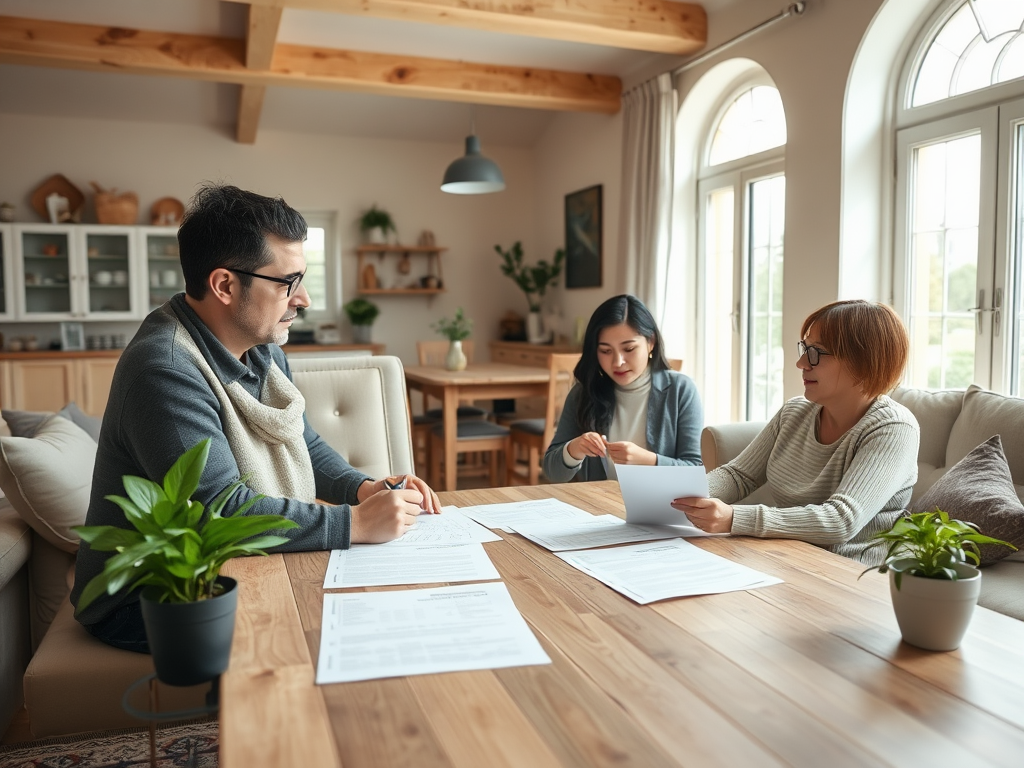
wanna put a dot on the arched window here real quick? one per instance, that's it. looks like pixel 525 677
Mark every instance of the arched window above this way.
pixel 960 179
pixel 741 194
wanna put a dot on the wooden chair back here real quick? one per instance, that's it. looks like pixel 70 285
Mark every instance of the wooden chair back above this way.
pixel 675 363
pixel 559 385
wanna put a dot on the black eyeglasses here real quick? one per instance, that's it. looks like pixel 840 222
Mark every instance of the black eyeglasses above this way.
pixel 813 353
pixel 291 282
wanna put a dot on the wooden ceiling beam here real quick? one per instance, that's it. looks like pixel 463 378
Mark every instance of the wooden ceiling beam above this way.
pixel 112 49
pixel 645 25
pixel 264 23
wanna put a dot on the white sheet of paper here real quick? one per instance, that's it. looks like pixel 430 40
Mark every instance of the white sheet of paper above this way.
pixel 648 493
pixel 648 572
pixel 450 527
pixel 369 635
pixel 598 531
pixel 506 516
pixel 373 565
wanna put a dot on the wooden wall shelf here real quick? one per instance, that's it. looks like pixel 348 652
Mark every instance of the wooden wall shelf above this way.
pixel 400 273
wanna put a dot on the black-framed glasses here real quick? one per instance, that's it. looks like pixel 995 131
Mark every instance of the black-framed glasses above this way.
pixel 291 282
pixel 813 353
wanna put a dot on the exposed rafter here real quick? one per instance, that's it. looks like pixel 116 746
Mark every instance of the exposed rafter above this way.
pixel 264 22
pixel 644 25
pixel 112 49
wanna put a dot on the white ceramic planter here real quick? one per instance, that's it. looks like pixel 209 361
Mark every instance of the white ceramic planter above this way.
pixel 362 334
pixel 455 360
pixel 934 613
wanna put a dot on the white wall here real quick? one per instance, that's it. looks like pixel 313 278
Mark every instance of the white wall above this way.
pixel 312 172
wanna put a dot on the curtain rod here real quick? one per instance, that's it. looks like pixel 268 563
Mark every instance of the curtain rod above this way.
pixel 796 9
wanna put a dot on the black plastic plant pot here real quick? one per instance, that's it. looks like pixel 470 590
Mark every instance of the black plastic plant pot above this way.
pixel 191 642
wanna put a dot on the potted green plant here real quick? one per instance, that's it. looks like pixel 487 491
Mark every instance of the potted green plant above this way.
pixel 455 330
pixel 375 225
pixel 175 553
pixel 534 281
pixel 361 313
pixel 933 578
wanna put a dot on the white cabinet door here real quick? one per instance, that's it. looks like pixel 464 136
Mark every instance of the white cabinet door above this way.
pixel 6 272
pixel 107 260
pixel 46 284
pixel 159 249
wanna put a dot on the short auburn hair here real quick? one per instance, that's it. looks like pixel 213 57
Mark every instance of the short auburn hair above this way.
pixel 868 338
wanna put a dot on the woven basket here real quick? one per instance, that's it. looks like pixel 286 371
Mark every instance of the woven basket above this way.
pixel 112 208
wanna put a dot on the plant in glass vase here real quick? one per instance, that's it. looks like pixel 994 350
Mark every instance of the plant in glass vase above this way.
pixel 933 581
pixel 533 280
pixel 176 552
pixel 455 330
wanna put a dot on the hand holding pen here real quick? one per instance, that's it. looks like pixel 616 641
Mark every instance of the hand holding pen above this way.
pixel 430 504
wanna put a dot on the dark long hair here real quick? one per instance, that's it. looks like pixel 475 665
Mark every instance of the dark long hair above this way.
pixel 596 406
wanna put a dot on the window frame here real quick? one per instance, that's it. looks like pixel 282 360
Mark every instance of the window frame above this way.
pixel 328 221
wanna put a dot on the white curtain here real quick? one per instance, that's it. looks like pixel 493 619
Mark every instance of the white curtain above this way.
pixel 649 113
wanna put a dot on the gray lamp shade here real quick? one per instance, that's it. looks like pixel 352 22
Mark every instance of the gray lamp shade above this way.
pixel 473 174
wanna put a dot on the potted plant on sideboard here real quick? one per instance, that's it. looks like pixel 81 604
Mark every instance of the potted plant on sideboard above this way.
pixel 361 313
pixel 175 553
pixel 375 225
pixel 933 586
pixel 534 282
pixel 455 330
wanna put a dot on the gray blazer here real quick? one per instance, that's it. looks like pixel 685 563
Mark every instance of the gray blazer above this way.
pixel 675 418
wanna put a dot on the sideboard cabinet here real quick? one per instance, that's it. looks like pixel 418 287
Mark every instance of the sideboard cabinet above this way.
pixel 47 381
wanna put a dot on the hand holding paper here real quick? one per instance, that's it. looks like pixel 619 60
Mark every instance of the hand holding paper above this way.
pixel 648 492
pixel 710 515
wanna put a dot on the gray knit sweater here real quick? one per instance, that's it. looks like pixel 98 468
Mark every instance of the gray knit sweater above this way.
pixel 160 405
pixel 836 496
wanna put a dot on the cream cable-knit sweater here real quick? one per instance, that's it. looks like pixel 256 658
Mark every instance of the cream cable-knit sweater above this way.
pixel 265 437
pixel 836 496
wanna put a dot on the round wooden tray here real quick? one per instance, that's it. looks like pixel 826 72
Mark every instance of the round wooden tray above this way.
pixel 59 184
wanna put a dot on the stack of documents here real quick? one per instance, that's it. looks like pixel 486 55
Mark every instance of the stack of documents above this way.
pixel 507 516
pixel 593 531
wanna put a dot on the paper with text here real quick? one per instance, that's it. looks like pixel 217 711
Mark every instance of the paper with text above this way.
pixel 370 635
pixel 648 572
pixel 598 531
pixel 648 493
pixel 450 527
pixel 506 516
pixel 373 565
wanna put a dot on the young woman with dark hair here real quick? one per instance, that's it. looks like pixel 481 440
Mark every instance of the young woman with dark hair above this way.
pixel 627 406
pixel 841 461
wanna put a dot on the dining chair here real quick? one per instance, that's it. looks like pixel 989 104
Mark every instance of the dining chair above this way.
pixel 531 437
pixel 675 363
pixel 473 436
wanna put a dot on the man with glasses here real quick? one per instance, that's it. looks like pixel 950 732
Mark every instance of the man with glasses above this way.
pixel 208 364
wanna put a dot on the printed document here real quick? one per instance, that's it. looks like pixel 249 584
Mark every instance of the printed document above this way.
pixel 507 516
pixel 373 565
pixel 648 572
pixel 450 527
pixel 648 493
pixel 598 531
pixel 370 635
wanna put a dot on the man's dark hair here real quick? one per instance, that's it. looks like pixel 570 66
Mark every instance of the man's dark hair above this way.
pixel 227 227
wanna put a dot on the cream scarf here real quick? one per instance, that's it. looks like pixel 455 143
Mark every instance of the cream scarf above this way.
pixel 265 435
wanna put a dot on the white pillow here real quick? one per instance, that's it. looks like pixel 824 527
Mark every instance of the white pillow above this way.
pixel 48 479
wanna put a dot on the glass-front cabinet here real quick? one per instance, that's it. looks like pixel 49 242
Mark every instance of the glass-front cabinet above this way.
pixel 76 272
pixel 6 273
pixel 160 246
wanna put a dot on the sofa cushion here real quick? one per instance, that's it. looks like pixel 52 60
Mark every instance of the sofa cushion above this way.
pixel 15 542
pixel 1001 588
pixel 985 414
pixel 48 479
pixel 936 413
pixel 978 489
pixel 27 423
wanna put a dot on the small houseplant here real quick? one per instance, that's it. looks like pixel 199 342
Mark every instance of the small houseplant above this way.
pixel 175 553
pixel 933 578
pixel 375 225
pixel 361 313
pixel 533 280
pixel 455 330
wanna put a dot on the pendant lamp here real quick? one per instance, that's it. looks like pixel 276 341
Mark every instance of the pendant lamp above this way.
pixel 473 174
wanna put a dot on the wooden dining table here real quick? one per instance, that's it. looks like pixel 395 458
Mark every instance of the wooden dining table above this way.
pixel 479 381
pixel 810 672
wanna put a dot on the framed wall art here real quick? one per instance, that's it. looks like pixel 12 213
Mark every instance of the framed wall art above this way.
pixel 583 235
pixel 72 336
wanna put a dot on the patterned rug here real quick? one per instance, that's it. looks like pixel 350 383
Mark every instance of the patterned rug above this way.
pixel 185 745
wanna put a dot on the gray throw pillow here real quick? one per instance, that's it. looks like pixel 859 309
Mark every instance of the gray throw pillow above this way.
pixel 91 424
pixel 27 423
pixel 979 489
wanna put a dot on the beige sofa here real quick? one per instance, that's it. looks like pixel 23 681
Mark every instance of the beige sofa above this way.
pixel 953 423
pixel 70 682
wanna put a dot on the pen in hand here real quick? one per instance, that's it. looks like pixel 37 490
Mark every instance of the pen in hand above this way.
pixel 394 486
